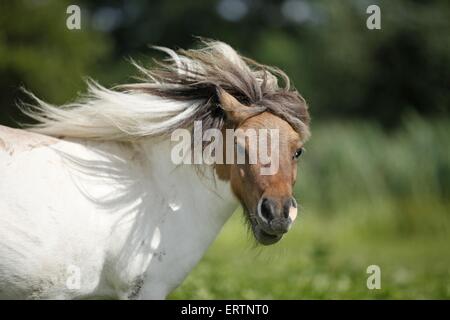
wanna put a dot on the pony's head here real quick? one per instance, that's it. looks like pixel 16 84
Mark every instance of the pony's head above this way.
pixel 267 198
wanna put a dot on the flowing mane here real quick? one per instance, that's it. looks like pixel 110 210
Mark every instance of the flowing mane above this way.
pixel 178 91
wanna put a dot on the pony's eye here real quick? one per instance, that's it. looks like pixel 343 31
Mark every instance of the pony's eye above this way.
pixel 298 153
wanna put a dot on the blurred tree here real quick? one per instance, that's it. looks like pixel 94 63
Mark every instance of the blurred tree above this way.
pixel 384 74
pixel 38 52
pixel 343 69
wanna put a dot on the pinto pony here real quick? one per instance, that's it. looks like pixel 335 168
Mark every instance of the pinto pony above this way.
pixel 91 205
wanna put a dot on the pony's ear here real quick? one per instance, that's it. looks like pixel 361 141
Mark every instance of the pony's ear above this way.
pixel 236 112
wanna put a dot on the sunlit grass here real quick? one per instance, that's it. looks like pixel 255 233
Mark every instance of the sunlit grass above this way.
pixel 320 258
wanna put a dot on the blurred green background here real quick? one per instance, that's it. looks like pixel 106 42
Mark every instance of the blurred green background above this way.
pixel 374 183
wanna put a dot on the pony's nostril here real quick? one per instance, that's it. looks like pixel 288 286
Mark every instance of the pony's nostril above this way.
pixel 266 209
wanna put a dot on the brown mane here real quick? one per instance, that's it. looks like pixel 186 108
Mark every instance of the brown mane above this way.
pixel 196 74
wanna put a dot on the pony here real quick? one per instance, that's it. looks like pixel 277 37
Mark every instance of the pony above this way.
pixel 91 205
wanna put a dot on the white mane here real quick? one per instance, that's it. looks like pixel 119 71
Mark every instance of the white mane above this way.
pixel 107 114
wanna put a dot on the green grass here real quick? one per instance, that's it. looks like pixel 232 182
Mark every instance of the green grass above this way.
pixel 368 198
pixel 320 259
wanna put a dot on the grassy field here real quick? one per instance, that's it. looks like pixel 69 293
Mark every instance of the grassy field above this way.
pixel 369 198
pixel 320 259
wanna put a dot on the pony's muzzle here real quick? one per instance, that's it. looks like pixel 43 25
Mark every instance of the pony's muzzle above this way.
pixel 275 216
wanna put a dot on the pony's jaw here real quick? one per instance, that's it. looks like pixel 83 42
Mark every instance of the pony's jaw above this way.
pixel 263 237
pixel 260 235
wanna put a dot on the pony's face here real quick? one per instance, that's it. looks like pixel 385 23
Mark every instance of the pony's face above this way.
pixel 267 197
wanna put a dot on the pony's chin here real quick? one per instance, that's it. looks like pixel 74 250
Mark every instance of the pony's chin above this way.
pixel 265 238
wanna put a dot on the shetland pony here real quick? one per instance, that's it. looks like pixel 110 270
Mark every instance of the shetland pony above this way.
pixel 91 204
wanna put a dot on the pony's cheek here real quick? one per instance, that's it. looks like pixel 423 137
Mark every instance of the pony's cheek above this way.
pixel 293 213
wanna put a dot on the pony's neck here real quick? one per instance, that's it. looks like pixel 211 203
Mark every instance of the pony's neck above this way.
pixel 203 187
pixel 214 180
pixel 181 211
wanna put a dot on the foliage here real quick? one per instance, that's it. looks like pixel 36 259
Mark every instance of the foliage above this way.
pixel 39 53
pixel 342 68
